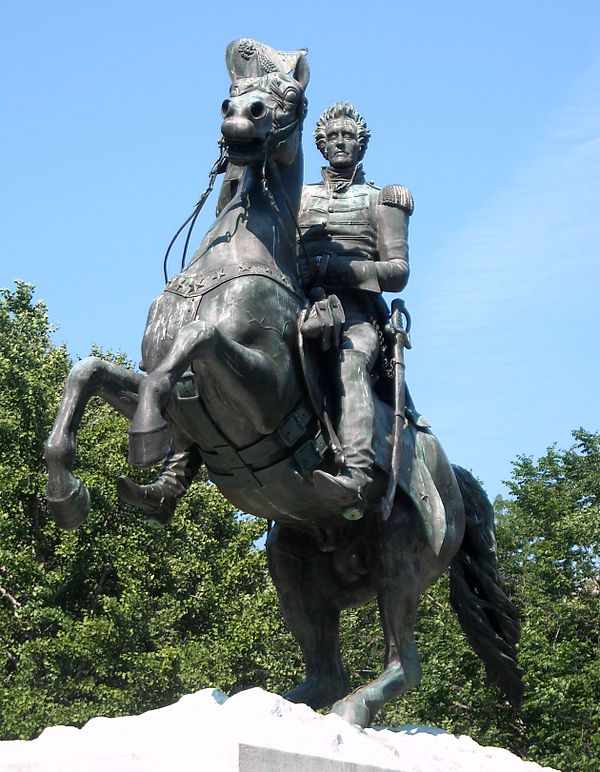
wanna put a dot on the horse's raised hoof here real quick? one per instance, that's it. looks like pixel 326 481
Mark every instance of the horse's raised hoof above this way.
pixel 146 448
pixel 72 510
pixel 354 710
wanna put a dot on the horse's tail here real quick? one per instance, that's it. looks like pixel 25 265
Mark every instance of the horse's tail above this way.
pixel 488 618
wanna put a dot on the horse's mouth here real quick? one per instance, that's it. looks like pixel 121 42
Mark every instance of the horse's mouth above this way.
pixel 245 149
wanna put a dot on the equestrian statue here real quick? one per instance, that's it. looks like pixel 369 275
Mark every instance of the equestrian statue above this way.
pixel 272 359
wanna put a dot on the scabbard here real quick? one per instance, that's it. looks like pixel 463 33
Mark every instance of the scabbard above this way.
pixel 401 341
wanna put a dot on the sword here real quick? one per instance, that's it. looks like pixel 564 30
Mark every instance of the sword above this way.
pixel 399 326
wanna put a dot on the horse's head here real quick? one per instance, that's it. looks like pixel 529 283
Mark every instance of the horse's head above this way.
pixel 266 106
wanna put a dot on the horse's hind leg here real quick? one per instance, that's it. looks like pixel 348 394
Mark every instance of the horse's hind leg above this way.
pixel 307 591
pixel 398 597
pixel 67 496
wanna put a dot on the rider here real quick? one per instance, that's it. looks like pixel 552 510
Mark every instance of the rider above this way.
pixel 355 237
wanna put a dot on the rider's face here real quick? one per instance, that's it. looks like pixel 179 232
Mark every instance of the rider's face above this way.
pixel 341 143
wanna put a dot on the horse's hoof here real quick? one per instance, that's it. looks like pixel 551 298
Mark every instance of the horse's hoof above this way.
pixel 71 511
pixel 353 710
pixel 146 448
pixel 318 694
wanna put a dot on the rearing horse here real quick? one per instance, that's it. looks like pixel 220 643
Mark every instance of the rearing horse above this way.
pixel 225 374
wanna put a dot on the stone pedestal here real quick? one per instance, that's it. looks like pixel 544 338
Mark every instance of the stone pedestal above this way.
pixel 254 731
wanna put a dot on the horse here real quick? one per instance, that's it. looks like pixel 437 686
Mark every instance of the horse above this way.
pixel 226 372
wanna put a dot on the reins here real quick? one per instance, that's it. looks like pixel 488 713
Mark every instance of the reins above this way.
pixel 218 167
pixel 274 139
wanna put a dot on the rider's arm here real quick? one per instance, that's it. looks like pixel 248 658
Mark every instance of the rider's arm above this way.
pixel 394 207
pixel 389 274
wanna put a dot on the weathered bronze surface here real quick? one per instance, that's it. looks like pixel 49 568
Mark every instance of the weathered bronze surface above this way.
pixel 266 359
pixel 355 242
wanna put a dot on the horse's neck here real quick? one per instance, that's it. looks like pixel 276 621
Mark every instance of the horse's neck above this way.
pixel 249 228
pixel 290 190
pixel 284 184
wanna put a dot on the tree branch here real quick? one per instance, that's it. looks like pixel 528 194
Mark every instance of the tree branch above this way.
pixel 13 601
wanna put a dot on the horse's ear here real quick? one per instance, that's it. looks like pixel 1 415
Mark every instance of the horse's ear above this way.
pixel 302 71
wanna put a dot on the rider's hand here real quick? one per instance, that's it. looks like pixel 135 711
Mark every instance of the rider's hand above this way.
pixel 325 320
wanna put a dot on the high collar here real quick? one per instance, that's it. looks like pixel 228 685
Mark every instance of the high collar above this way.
pixel 339 180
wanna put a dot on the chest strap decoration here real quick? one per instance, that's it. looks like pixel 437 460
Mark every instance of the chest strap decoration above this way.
pixel 188 286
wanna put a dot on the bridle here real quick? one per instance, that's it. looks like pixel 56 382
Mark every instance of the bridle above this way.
pixel 274 139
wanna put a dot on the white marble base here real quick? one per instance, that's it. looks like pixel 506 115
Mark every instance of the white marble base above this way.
pixel 253 731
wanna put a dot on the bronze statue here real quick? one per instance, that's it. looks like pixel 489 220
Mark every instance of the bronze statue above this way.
pixel 231 380
pixel 353 242
pixel 354 237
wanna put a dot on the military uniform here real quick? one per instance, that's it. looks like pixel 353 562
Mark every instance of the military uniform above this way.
pixel 355 236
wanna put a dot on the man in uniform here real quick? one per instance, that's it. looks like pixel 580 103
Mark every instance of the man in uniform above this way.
pixel 354 241
pixel 355 238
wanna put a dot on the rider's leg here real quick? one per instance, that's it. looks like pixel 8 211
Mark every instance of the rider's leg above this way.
pixel 310 600
pixel 159 499
pixel 356 419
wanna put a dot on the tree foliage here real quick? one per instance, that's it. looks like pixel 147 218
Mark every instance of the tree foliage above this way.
pixel 119 617
pixel 550 542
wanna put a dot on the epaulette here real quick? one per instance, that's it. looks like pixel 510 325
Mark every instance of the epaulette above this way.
pixel 398 196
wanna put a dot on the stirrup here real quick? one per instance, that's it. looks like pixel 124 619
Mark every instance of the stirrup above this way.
pixel 344 489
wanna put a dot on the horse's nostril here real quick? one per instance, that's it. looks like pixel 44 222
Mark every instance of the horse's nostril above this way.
pixel 226 107
pixel 257 109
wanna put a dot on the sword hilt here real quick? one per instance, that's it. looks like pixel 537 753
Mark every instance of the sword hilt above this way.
pixel 400 322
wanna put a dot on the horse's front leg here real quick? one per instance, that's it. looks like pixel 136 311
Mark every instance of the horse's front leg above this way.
pixel 241 374
pixel 67 496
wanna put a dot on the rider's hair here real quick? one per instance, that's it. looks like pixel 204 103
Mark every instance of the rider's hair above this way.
pixel 342 110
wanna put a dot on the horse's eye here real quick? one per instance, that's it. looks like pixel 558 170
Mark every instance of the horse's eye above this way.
pixel 291 96
pixel 225 107
pixel 257 109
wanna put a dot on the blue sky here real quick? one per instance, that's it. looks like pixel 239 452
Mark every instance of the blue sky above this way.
pixel 488 111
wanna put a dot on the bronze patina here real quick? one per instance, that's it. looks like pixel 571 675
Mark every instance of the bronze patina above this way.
pixel 258 354
pixel 355 237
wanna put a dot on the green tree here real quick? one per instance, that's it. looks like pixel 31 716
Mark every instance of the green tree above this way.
pixel 117 617
pixel 549 535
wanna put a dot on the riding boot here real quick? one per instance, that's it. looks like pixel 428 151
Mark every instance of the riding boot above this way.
pixel 159 499
pixel 348 488
pixel 355 431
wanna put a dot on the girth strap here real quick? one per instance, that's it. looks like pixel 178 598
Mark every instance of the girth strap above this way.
pixel 298 444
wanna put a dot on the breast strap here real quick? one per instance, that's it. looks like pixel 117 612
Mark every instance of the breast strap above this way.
pixel 198 285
